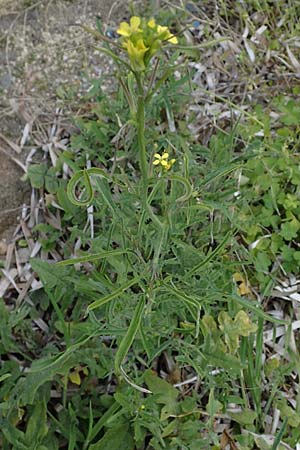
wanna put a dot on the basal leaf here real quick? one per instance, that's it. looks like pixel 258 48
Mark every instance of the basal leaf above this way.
pixel 244 417
pixel 164 393
pixel 37 427
pixel 36 174
pixel 223 360
pixel 130 334
pixel 49 274
pixel 116 438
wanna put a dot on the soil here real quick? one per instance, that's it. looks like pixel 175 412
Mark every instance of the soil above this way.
pixel 46 60
pixel 13 194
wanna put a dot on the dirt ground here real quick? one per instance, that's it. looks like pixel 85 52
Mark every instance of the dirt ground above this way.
pixel 44 57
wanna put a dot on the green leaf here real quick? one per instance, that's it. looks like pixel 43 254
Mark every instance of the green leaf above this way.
pixel 64 202
pixel 262 262
pixel 50 274
pixel 36 174
pixel 116 438
pixel 164 393
pixel 220 359
pixel 219 173
pixel 37 427
pixel 289 230
pixel 289 413
pixel 6 342
pixel 116 293
pixel 51 180
pixel 27 387
pixel 5 376
pixel 130 335
pixel 244 417
pixel 211 255
pixel 213 406
pixel 91 257
pixel 14 436
pixel 190 301
pixel 291 113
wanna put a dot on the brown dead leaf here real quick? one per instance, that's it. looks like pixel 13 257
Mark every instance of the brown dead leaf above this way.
pixel 226 440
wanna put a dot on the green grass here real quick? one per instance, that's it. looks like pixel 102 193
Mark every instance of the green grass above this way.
pixel 160 319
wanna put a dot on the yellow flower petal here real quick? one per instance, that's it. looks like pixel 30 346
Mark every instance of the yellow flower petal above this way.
pixel 164 163
pixel 172 161
pixel 135 23
pixel 124 29
pixel 136 54
pixel 161 29
pixel 156 162
pixel 165 155
pixel 157 155
pixel 151 23
pixel 141 46
pixel 165 34
pixel 127 30
pixel 173 39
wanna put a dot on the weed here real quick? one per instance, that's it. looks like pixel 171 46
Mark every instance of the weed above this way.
pixel 152 337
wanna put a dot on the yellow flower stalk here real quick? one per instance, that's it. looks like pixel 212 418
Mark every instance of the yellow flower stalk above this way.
pixel 127 30
pixel 143 40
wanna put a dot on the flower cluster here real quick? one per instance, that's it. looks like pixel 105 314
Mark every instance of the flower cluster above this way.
pixel 142 40
pixel 163 161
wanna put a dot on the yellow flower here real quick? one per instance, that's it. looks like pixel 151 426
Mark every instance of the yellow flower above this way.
pixel 127 30
pixel 136 53
pixel 161 29
pixel 151 23
pixel 170 164
pixel 143 40
pixel 163 160
pixel 165 34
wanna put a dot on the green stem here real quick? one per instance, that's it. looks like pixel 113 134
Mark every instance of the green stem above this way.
pixel 141 135
pixel 140 119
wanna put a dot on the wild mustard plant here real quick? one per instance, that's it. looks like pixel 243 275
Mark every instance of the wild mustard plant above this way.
pixel 141 40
